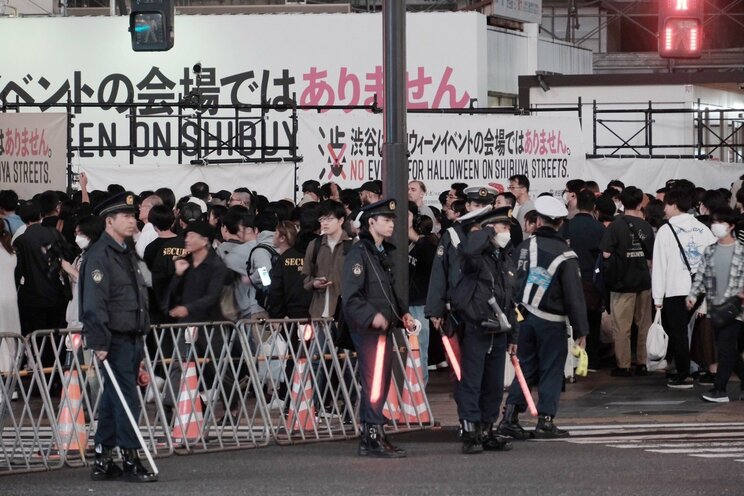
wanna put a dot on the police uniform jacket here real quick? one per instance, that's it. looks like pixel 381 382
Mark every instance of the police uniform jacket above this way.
pixel 486 271
pixel 368 285
pixel 445 272
pixel 113 294
pixel 549 280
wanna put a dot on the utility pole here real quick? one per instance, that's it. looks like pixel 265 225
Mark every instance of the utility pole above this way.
pixel 394 147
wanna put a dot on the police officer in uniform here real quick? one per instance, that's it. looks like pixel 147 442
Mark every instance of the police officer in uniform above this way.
pixel 483 299
pixel 372 310
pixel 551 296
pixel 445 270
pixel 114 313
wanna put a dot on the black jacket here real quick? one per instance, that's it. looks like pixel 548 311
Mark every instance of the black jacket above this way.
pixel 38 274
pixel 368 286
pixel 445 273
pixel 198 289
pixel 560 295
pixel 287 294
pixel 486 271
pixel 113 295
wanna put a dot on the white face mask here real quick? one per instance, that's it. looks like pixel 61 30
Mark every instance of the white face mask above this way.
pixel 502 239
pixel 719 230
pixel 565 198
pixel 82 241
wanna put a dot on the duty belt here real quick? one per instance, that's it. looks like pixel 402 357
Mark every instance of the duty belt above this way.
pixel 545 315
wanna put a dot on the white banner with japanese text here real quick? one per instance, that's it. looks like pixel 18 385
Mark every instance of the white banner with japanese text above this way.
pixel 33 152
pixel 280 60
pixel 444 149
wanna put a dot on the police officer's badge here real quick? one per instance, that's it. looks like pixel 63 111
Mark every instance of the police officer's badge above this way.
pixel 440 251
pixel 130 200
pixel 391 205
pixel 483 192
pixel 357 270
pixel 97 276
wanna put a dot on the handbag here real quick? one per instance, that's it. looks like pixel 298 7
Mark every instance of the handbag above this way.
pixel 228 303
pixel 657 340
pixel 725 313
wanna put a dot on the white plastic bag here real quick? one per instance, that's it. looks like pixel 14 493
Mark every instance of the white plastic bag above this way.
pixel 657 340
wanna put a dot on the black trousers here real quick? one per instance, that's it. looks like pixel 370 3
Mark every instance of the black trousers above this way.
pixel 729 358
pixel 373 393
pixel 124 356
pixel 675 318
pixel 481 388
pixel 542 347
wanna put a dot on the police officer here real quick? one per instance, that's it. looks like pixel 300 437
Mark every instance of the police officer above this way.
pixel 372 310
pixel 114 313
pixel 483 299
pixel 551 295
pixel 445 270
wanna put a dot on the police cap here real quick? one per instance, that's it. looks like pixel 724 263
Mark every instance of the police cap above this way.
pixel 372 186
pixel 481 194
pixel 122 202
pixel 550 207
pixel 382 207
pixel 501 215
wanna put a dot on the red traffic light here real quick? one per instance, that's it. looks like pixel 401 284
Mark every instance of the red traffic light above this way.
pixel 680 28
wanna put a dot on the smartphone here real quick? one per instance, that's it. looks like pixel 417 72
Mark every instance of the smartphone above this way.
pixel 264 275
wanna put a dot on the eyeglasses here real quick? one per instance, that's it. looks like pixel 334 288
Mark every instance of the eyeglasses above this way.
pixel 327 219
pixel 512 188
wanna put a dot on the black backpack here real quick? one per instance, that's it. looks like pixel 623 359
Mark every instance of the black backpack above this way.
pixel 262 292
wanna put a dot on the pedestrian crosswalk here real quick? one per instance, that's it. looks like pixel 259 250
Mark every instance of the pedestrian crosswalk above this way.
pixel 719 440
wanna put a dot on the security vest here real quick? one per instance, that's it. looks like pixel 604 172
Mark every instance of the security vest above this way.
pixel 540 257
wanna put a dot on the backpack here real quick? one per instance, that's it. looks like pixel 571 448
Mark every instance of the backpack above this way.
pixel 262 292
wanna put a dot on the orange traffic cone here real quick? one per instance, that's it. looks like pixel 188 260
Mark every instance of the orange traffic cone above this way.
pixel 413 401
pixel 301 415
pixel 391 409
pixel 190 421
pixel 73 434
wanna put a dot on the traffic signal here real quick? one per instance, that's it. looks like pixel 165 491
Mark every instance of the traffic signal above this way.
pixel 680 28
pixel 151 25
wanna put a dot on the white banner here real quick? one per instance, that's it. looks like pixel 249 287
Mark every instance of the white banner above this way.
pixel 652 174
pixel 33 152
pixel 318 59
pixel 445 148
pixel 274 181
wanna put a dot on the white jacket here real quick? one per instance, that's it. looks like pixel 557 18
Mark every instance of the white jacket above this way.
pixel 669 276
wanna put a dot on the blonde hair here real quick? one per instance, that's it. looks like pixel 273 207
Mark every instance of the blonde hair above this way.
pixel 288 230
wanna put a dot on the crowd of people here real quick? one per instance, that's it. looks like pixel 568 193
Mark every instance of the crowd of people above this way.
pixel 217 255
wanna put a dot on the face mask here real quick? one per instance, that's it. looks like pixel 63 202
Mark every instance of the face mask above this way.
pixel 82 241
pixel 502 239
pixel 565 198
pixel 619 206
pixel 720 230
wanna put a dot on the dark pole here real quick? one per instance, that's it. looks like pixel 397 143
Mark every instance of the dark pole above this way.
pixel 394 148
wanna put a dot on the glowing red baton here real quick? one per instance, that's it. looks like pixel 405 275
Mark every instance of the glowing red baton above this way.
pixel 523 384
pixel 451 355
pixel 377 376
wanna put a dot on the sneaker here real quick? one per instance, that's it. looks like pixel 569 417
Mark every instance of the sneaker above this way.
pixel 706 378
pixel 680 383
pixel 621 372
pixel 715 396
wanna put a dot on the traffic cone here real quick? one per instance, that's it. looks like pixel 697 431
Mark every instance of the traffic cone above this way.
pixel 73 434
pixel 391 409
pixel 301 415
pixel 189 408
pixel 413 401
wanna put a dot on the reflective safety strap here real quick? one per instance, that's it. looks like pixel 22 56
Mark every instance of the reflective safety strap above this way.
pixel 533 263
pixel 453 236
pixel 545 315
pixel 552 269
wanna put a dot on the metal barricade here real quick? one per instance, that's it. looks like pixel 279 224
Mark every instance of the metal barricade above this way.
pixel 309 397
pixel 70 380
pixel 26 436
pixel 209 383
